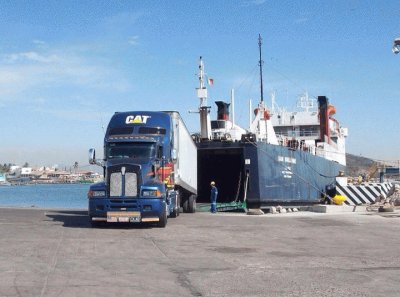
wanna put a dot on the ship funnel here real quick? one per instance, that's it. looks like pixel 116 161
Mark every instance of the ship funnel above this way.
pixel 223 110
pixel 323 104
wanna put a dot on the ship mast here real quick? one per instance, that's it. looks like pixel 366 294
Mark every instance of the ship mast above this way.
pixel 260 63
pixel 204 110
pixel 203 93
pixel 261 126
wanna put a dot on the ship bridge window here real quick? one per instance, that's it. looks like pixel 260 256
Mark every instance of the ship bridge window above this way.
pixel 122 150
pixel 218 124
pixel 152 130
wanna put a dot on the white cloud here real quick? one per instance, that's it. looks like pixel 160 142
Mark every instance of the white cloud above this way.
pixel 301 20
pixel 29 57
pixel 25 72
pixel 133 40
pixel 39 43
pixel 47 155
pixel 253 2
pixel 123 19
pixel 77 115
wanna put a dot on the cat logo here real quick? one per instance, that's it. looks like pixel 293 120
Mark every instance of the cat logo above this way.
pixel 138 119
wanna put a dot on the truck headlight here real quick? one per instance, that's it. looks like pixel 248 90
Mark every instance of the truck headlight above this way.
pixel 96 194
pixel 151 193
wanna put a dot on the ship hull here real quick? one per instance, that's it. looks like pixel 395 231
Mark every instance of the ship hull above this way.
pixel 263 174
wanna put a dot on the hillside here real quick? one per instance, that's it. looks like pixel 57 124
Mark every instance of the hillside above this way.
pixel 357 165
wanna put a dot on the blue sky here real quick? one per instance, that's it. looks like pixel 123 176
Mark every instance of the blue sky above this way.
pixel 67 66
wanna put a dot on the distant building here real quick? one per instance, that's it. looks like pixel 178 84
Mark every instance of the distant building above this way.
pixel 14 172
pixel 3 178
pixel 26 171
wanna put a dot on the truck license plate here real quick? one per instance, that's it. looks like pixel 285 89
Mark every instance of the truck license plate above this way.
pixel 123 216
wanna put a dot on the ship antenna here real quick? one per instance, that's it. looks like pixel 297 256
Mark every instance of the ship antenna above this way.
pixel 260 63
pixel 203 97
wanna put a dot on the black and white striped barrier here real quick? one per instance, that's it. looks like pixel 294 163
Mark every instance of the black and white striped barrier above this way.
pixel 366 193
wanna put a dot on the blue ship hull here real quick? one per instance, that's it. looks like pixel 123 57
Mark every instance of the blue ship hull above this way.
pixel 265 174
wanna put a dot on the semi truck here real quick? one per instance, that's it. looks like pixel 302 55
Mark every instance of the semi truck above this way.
pixel 150 170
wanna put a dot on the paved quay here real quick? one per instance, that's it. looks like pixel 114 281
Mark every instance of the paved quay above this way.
pixel 57 253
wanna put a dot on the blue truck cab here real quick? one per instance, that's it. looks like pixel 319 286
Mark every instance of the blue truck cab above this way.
pixel 138 166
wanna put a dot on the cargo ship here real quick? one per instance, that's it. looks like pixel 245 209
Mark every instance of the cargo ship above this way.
pixel 283 158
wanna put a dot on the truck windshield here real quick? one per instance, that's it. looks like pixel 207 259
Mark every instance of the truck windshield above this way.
pixel 120 150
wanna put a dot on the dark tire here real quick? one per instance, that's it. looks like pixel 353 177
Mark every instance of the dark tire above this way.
pixel 186 205
pixel 163 220
pixel 385 209
pixel 175 212
pixel 192 203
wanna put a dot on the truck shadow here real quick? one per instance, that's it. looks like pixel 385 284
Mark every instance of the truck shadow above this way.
pixel 80 219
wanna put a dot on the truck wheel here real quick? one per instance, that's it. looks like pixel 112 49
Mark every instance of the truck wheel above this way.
pixel 95 224
pixel 163 220
pixel 175 212
pixel 192 203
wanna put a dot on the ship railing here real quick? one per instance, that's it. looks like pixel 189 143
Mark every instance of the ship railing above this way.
pixel 294 144
pixel 298 134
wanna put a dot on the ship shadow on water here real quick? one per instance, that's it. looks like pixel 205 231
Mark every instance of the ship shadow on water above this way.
pixel 80 219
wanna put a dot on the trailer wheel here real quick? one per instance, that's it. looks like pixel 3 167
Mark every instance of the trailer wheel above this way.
pixel 163 220
pixel 192 203
pixel 186 205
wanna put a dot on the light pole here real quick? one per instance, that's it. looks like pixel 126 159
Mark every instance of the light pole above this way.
pixel 396 46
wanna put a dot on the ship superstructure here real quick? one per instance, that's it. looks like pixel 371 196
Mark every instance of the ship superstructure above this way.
pixel 311 127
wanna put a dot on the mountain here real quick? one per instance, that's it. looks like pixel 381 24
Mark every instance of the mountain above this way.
pixel 358 165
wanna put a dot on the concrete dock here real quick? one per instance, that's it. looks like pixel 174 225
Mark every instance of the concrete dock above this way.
pixel 57 253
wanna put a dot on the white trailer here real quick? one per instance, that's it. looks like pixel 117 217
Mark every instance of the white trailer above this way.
pixel 184 154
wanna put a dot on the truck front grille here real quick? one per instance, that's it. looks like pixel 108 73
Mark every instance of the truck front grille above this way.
pixel 116 184
pixel 123 182
pixel 131 184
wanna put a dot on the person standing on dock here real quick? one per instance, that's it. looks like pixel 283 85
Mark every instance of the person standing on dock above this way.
pixel 214 194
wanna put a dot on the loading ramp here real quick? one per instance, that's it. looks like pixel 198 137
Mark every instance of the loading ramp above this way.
pixel 234 206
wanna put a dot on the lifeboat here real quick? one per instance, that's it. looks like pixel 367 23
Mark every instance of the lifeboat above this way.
pixel 331 110
pixel 266 116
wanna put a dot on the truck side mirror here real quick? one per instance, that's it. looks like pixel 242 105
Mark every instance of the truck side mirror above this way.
pixel 92 156
pixel 173 154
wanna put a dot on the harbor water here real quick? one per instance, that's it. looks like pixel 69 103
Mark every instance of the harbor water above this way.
pixel 60 196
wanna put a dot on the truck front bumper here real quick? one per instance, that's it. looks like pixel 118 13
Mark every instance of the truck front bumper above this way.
pixel 126 210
